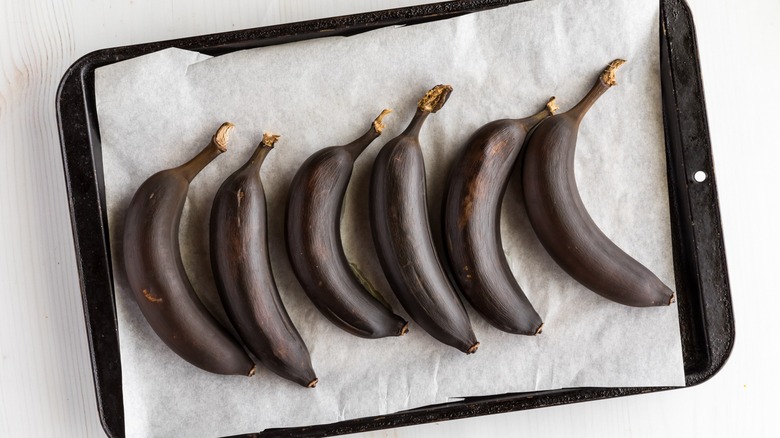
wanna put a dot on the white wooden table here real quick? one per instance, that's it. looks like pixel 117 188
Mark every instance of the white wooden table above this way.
pixel 46 385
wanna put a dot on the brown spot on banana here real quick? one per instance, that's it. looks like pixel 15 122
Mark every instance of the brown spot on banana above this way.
pixel 148 295
pixel 498 147
pixel 239 197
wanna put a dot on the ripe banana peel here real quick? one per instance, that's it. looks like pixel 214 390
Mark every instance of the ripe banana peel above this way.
pixel 156 272
pixel 402 234
pixel 563 224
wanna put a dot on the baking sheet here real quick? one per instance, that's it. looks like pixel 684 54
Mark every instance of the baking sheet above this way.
pixel 156 111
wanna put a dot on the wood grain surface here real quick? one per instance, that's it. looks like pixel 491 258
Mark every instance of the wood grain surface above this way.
pixel 46 387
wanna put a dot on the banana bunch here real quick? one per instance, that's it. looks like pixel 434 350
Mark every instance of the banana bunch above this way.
pixel 430 291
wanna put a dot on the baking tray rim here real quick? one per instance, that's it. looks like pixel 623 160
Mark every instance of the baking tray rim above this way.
pixel 78 75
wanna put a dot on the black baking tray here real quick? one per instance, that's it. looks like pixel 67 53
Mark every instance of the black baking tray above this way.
pixel 704 297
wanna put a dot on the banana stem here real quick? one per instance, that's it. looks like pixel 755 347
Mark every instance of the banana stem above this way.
pixel 605 82
pixel 216 146
pixel 378 125
pixel 220 138
pixel 359 145
pixel 434 99
pixel 262 150
pixel 551 106
pixel 549 110
pixel 415 125
pixel 269 139
pixel 608 77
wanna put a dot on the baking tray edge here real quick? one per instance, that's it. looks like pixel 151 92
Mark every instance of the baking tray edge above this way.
pixel 706 321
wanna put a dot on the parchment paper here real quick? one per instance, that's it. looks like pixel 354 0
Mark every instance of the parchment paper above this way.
pixel 157 111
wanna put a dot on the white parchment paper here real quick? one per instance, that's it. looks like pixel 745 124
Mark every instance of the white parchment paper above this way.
pixel 158 110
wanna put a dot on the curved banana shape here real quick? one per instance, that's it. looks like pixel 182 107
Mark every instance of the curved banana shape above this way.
pixel 156 273
pixel 472 218
pixel 314 242
pixel 402 234
pixel 242 271
pixel 561 221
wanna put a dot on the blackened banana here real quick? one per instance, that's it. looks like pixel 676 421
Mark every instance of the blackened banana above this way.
pixel 242 271
pixel 472 218
pixel 156 273
pixel 561 221
pixel 402 234
pixel 314 242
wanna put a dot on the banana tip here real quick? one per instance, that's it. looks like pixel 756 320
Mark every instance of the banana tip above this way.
pixel 269 140
pixel 378 125
pixel 608 77
pixel 313 383
pixel 473 348
pixel 673 298
pixel 552 107
pixel 252 371
pixel 220 138
pixel 404 329
pixel 435 98
pixel 539 330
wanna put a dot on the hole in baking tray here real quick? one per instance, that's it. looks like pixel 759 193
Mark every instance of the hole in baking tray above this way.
pixel 699 176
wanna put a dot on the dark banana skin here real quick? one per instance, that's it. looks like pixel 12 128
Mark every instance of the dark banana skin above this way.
pixel 562 223
pixel 242 271
pixel 402 234
pixel 156 273
pixel 314 242
pixel 472 219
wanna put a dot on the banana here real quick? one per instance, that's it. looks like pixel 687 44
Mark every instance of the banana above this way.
pixel 242 271
pixel 314 242
pixel 472 217
pixel 156 273
pixel 562 223
pixel 402 234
